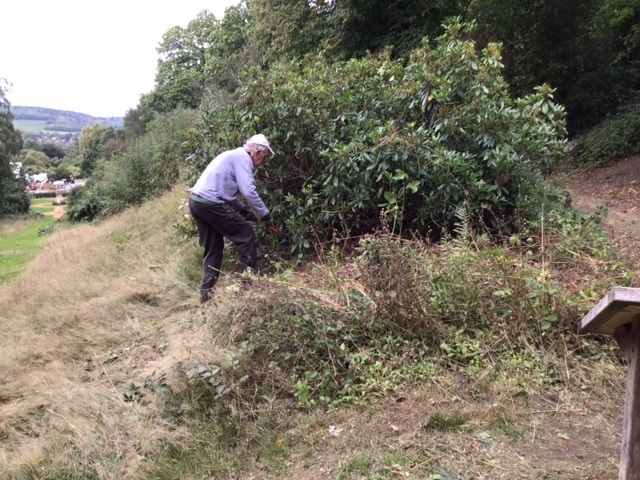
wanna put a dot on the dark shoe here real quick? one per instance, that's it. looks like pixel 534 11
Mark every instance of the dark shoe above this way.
pixel 205 296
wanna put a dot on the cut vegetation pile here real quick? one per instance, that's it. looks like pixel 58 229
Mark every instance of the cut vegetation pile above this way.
pixel 397 359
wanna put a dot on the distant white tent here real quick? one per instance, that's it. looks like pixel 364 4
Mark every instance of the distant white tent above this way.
pixel 17 169
pixel 39 178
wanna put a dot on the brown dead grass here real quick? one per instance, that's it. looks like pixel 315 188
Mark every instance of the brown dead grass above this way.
pixel 78 326
pixel 560 436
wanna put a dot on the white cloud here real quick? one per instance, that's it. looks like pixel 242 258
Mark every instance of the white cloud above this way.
pixel 89 57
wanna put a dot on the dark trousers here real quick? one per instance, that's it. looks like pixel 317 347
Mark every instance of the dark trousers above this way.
pixel 214 223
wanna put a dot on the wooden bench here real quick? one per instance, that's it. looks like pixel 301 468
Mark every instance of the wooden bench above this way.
pixel 618 314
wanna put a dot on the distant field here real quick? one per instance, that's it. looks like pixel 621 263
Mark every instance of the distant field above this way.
pixel 36 120
pixel 29 125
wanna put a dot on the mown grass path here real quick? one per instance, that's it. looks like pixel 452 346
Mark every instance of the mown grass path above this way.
pixel 614 187
pixel 19 245
pixel 21 239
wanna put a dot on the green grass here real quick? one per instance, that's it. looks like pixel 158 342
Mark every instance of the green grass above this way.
pixel 29 126
pixel 18 248
pixel 43 205
pixel 444 423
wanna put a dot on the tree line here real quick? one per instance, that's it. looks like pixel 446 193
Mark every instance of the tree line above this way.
pixel 587 50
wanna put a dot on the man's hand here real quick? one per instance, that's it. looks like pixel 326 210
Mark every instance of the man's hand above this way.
pixel 266 218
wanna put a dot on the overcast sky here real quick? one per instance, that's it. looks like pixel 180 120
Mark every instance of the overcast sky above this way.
pixel 86 56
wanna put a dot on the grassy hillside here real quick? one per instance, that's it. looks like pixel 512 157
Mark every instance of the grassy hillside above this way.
pixel 39 119
pixel 112 370
pixel 30 126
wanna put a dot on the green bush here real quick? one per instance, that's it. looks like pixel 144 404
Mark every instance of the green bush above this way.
pixel 414 142
pixel 616 137
pixel 83 204
pixel 150 165
pixel 15 200
pixel 44 194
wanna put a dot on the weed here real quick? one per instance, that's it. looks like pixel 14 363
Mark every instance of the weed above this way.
pixel 357 467
pixel 297 347
pixel 445 423
pixel 209 376
pixel 445 296
pixel 136 393
pixel 412 308
pixel 502 424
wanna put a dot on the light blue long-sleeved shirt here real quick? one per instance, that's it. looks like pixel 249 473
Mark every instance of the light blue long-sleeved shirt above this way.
pixel 227 176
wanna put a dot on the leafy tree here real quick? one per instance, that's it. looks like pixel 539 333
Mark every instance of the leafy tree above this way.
pixel 622 18
pixel 64 171
pixel 97 142
pixel 148 166
pixel 359 26
pixel 286 28
pixel 34 161
pixel 13 197
pixel 74 157
pixel 347 28
pixel 84 203
pixel 228 52
pixel 615 33
pixel 133 124
pixel 180 78
pixel 31 144
pixel 561 43
pixel 205 56
pixel 53 150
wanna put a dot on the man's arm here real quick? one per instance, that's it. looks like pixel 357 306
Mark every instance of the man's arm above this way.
pixel 247 187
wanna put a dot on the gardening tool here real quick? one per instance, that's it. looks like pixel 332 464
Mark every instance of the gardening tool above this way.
pixel 273 228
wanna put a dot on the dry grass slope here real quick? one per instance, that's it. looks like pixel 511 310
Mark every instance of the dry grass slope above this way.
pixel 106 305
pixel 78 326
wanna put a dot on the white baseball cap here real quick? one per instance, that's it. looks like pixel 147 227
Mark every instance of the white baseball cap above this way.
pixel 261 140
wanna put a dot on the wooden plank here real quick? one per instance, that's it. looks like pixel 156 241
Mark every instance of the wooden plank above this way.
pixel 620 306
pixel 628 337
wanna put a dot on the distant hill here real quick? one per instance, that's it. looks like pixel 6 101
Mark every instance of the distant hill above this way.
pixel 39 119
